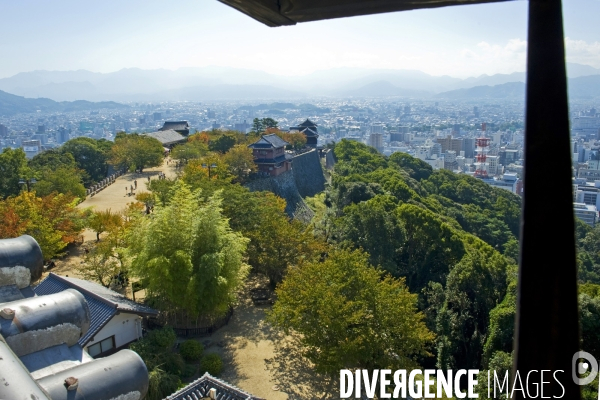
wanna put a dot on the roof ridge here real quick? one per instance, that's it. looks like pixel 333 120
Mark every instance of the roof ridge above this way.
pixel 210 378
pixel 83 290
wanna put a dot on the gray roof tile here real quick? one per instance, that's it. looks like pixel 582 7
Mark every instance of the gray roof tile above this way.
pixel 167 137
pixel 268 141
pixel 103 303
pixel 199 389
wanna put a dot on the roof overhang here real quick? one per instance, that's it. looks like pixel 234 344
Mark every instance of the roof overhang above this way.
pixel 289 12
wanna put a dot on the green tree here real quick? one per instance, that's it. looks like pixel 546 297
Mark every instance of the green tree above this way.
pixel 163 365
pixel 257 126
pixel 12 166
pixel 101 221
pixel 162 189
pixel 190 150
pixel 276 242
pixel 222 144
pixel 90 155
pixel 416 168
pixel 137 152
pixel 240 162
pixel 267 123
pixel 474 287
pixel 350 316
pixel 372 226
pixel 52 159
pixel 62 179
pixel 188 256
pixel 99 265
pixel 431 246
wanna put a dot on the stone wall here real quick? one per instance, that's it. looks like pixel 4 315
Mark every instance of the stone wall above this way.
pixel 306 179
pixel 284 186
pixel 329 159
pixel 308 173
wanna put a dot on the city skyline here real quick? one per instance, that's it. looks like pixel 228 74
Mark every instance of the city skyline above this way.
pixel 458 41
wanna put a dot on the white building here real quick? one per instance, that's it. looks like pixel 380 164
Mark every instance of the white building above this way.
pixel 31 147
pixel 586 213
pixel 115 322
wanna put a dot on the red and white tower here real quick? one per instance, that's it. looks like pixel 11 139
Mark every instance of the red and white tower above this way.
pixel 482 145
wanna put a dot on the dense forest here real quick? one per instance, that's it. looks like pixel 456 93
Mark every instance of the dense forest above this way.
pixel 455 241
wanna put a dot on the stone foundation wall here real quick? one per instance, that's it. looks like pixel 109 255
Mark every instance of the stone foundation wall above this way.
pixel 284 186
pixel 305 179
pixel 308 173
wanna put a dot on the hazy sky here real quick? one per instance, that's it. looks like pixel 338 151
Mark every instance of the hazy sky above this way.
pixel 108 35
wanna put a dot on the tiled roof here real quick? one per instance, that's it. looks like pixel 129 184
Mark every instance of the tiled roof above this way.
pixel 309 132
pixel 308 122
pixel 100 311
pixel 104 303
pixel 199 389
pixel 175 125
pixel 268 141
pixel 122 302
pixel 167 137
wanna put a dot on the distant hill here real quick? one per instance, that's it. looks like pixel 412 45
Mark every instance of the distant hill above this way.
pixel 214 83
pixel 11 104
pixel 511 90
pixel 383 89
pixel 587 87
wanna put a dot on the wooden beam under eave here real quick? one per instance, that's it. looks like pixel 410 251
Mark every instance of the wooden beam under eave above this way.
pixel 275 13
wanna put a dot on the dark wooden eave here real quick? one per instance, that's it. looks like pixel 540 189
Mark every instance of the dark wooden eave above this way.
pixel 289 12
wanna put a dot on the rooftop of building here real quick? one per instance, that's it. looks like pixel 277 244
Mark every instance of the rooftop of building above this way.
pixel 167 137
pixel 175 125
pixel 269 141
pixel 102 302
pixel 584 207
pixel 41 355
pixel 200 389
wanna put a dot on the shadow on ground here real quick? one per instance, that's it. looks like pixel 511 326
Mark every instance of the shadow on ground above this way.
pixel 263 361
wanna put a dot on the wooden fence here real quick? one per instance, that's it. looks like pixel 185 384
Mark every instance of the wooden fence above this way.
pixel 195 332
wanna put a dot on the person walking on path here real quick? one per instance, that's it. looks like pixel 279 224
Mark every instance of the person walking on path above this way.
pixel 135 182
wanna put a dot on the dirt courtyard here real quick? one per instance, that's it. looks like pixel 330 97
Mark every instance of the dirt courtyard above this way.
pixel 264 362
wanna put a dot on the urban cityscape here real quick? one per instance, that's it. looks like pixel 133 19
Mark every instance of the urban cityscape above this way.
pixel 442 133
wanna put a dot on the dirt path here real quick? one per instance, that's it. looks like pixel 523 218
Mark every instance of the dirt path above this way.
pixel 264 362
pixel 114 198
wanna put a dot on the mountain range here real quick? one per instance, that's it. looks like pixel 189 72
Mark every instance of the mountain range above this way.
pixel 11 104
pixel 225 83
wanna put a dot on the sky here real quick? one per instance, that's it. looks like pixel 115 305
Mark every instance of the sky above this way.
pixel 109 35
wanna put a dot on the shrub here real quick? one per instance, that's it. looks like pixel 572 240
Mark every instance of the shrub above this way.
pixel 191 350
pixel 163 338
pixel 161 384
pixel 212 364
pixel 189 370
pixel 173 363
